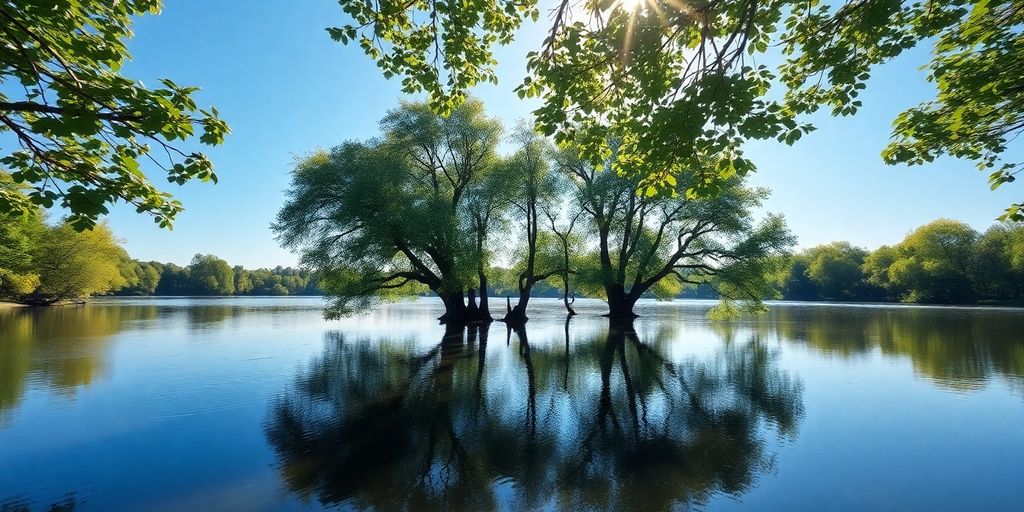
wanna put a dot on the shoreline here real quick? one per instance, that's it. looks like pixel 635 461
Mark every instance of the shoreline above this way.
pixel 769 302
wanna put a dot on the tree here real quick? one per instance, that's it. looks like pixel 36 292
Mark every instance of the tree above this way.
pixel 531 191
pixel 73 264
pixel 174 280
pixel 835 269
pixel 243 280
pixel 569 243
pixel 387 218
pixel 485 205
pixel 211 275
pixel 140 278
pixel 18 234
pixel 682 76
pixel 998 264
pixel 794 284
pixel 932 264
pixel 83 130
pixel 659 243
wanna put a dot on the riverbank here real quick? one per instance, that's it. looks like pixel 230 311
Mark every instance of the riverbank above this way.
pixel 10 305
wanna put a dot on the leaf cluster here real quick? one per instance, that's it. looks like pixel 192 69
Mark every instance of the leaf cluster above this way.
pixel 86 134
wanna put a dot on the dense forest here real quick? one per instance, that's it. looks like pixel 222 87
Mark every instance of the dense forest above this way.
pixel 943 262
pixel 210 275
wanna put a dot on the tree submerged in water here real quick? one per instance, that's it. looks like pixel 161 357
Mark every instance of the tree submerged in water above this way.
pixel 431 206
pixel 657 244
pixel 388 217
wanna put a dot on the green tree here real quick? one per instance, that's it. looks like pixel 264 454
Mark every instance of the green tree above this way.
pixel 682 78
pixel 932 264
pixel 73 264
pixel 793 282
pixel 486 208
pixel 243 280
pixel 998 271
pixel 18 234
pixel 211 275
pixel 388 218
pixel 140 278
pixel 835 270
pixel 563 226
pixel 530 192
pixel 83 130
pixel 661 243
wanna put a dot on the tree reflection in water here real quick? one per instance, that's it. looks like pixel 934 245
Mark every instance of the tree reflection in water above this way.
pixel 604 423
pixel 954 348
pixel 61 348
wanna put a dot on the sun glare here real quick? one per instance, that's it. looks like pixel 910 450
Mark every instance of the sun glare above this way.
pixel 631 5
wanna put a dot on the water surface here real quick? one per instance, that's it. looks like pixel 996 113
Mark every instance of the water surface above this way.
pixel 260 404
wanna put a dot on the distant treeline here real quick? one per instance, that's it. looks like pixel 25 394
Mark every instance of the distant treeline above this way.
pixel 943 262
pixel 210 275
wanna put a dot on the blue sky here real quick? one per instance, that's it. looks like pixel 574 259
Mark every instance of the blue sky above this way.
pixel 286 89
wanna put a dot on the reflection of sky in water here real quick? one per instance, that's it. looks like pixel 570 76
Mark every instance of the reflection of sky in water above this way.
pixel 164 402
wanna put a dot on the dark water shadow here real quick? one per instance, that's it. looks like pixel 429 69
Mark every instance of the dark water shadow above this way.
pixel 607 422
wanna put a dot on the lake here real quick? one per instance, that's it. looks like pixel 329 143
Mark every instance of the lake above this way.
pixel 261 404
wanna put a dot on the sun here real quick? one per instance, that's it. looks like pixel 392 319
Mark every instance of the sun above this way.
pixel 631 5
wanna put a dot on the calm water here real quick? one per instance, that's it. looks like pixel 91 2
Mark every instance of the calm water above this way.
pixel 259 404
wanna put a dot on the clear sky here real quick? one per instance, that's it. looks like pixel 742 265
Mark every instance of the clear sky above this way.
pixel 287 89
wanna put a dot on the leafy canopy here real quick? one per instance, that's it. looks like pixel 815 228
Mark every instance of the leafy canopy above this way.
pixel 679 84
pixel 393 216
pixel 663 243
pixel 84 133
pixel 44 264
pixel 932 264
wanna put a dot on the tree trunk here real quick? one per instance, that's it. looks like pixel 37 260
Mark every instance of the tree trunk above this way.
pixel 620 304
pixel 485 311
pixel 471 310
pixel 517 315
pixel 565 277
pixel 455 311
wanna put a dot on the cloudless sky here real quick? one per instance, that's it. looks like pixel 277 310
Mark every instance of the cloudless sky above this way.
pixel 287 89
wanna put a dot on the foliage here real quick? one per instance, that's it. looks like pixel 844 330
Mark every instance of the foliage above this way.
pixel 827 272
pixel 83 130
pixel 154 278
pixel 662 243
pixel 678 84
pixel 73 264
pixel 933 264
pixel 531 193
pixel 998 267
pixel 388 217
pixel 141 278
pixel 441 48
pixel 212 275
pixel 17 236
pixel 43 264
pixel 941 262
